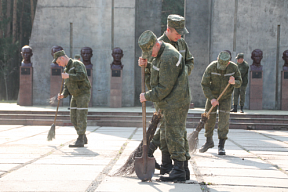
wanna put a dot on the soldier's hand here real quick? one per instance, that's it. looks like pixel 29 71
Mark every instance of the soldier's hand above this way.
pixel 214 102
pixel 142 97
pixel 60 96
pixel 142 62
pixel 232 80
pixel 65 75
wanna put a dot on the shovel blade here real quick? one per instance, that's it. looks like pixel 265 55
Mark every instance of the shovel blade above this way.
pixel 144 167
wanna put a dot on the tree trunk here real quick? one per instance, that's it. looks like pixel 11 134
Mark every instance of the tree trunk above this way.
pixel 1 19
pixel 8 16
pixel 32 12
pixel 21 25
pixel 14 21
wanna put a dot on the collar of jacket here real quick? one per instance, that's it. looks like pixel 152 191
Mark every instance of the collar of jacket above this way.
pixel 161 50
pixel 69 64
pixel 167 40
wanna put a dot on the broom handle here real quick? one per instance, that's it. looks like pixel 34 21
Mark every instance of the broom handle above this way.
pixel 218 98
pixel 143 105
pixel 58 102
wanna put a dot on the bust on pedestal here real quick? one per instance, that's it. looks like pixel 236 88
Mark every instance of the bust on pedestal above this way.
pixel 284 82
pixel 256 80
pixel 116 78
pixel 55 76
pixel 86 54
pixel 26 77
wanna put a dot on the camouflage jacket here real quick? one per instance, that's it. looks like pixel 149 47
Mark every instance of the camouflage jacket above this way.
pixel 78 81
pixel 214 80
pixel 169 79
pixel 182 47
pixel 243 68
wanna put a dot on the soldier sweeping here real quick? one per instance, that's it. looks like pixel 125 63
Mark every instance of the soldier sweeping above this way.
pixel 175 28
pixel 78 85
pixel 170 90
pixel 214 80
pixel 243 68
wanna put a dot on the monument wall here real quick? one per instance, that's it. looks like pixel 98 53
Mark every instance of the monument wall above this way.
pixel 239 26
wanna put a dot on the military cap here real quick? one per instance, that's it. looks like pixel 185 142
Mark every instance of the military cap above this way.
pixel 223 60
pixel 178 23
pixel 77 56
pixel 146 42
pixel 240 55
pixel 57 55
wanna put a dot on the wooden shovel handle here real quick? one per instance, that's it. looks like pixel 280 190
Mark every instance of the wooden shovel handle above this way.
pixel 143 105
pixel 218 98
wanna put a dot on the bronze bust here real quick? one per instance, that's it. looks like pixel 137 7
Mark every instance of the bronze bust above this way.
pixel 26 53
pixel 285 58
pixel 86 54
pixel 256 56
pixel 54 49
pixel 117 54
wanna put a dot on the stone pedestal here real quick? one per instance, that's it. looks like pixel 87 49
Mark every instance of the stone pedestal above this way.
pixel 256 90
pixel 284 88
pixel 116 89
pixel 90 77
pixel 55 84
pixel 26 86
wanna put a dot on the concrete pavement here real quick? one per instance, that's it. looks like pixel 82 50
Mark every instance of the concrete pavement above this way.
pixel 256 161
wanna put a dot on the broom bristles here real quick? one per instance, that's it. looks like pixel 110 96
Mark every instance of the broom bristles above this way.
pixel 193 141
pixel 51 133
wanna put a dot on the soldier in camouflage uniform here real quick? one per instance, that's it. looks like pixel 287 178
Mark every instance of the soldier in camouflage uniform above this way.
pixel 243 68
pixel 78 85
pixel 175 28
pixel 214 80
pixel 170 90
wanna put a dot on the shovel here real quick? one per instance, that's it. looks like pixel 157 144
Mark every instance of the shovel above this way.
pixel 144 165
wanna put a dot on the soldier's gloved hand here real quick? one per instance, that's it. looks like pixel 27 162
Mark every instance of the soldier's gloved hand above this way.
pixel 142 97
pixel 65 75
pixel 232 80
pixel 214 102
pixel 142 62
pixel 60 96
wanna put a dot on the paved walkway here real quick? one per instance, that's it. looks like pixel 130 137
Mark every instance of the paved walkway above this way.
pixel 255 161
pixel 15 107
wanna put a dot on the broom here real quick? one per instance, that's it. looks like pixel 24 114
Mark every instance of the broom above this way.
pixel 193 137
pixel 128 168
pixel 51 133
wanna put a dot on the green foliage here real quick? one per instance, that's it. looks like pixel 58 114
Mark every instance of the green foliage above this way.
pixel 10 53
pixel 170 7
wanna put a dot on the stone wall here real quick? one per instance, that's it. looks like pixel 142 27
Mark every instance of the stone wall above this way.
pixel 255 28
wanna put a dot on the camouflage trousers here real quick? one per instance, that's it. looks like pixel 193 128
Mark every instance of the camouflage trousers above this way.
pixel 173 133
pixel 79 111
pixel 223 118
pixel 239 91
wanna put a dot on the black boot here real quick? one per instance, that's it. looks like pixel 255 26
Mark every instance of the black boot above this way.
pixel 166 166
pixel 151 150
pixel 234 109
pixel 79 142
pixel 85 139
pixel 177 173
pixel 221 150
pixel 187 171
pixel 209 144
pixel 241 110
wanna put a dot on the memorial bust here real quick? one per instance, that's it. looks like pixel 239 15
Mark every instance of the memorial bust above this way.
pixel 285 58
pixel 117 54
pixel 55 49
pixel 86 54
pixel 256 56
pixel 26 53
